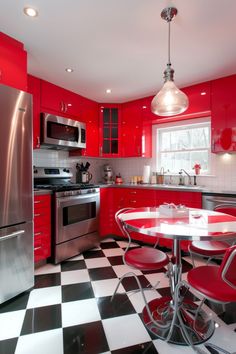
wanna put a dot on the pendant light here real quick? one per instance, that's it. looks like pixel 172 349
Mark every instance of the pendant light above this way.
pixel 169 100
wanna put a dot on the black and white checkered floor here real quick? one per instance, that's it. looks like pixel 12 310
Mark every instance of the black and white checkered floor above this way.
pixel 69 310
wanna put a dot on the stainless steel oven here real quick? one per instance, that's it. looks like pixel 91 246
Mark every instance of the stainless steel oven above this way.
pixel 75 212
pixel 76 223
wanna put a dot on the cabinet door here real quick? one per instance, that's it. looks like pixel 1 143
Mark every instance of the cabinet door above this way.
pixel 136 130
pixel 57 100
pixel 109 131
pixel 13 63
pixel 223 121
pixel 90 117
pixel 34 89
pixel 42 227
pixel 131 130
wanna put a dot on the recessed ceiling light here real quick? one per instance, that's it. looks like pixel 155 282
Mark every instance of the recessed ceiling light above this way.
pixel 108 90
pixel 203 93
pixel 69 70
pixel 29 11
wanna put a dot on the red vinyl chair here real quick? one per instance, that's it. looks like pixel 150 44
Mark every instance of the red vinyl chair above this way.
pixel 212 249
pixel 142 258
pixel 220 289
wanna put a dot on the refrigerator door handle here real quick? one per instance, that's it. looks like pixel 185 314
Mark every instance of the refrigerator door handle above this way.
pixel 13 234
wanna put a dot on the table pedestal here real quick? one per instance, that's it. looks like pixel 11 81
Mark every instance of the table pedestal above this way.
pixel 163 310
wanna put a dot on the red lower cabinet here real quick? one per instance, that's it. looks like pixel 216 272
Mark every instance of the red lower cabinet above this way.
pixel 42 227
pixel 113 199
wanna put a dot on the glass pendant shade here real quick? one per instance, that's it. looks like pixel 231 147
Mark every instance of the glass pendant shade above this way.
pixel 169 100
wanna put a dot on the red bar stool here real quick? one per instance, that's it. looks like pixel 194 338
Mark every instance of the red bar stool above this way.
pixel 212 249
pixel 144 258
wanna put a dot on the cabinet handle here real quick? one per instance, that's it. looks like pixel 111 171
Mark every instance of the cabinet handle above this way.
pixel 38 141
pixel 12 235
pixel 37 215
pixel 100 150
pixel 37 201
pixel 62 106
pixel 37 233
pixel 37 248
pixel 134 192
pixel 133 201
pixel 65 107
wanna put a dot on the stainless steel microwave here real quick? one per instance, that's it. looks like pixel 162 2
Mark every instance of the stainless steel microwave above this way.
pixel 62 133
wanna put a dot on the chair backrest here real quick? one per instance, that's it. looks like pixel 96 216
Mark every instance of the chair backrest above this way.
pixel 119 222
pixel 228 267
pixel 226 209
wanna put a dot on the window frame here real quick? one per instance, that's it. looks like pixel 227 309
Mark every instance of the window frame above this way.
pixel 180 125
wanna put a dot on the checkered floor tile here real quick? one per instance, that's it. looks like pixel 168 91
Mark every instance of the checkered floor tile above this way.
pixel 70 311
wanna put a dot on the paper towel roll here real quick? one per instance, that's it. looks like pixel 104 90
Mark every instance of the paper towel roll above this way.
pixel 146 174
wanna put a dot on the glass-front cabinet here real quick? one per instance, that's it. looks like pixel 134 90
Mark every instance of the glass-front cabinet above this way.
pixel 109 131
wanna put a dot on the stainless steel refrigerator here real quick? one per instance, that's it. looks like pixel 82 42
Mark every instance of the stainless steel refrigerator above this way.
pixel 16 204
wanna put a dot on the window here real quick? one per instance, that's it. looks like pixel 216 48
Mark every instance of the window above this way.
pixel 183 146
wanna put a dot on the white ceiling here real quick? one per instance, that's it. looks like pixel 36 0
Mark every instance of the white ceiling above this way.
pixel 122 44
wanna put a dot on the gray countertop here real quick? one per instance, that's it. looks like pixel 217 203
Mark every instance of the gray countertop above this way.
pixel 202 189
pixel 42 191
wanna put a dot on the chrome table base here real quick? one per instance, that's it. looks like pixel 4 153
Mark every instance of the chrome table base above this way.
pixel 163 311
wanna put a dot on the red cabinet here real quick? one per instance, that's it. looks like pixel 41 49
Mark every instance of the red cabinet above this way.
pixel 109 130
pixel 42 227
pixel 90 116
pixel 34 89
pixel 57 100
pixel 13 63
pixel 136 130
pixel 113 199
pixel 223 120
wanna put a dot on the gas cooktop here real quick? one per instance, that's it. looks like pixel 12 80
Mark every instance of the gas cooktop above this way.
pixel 65 187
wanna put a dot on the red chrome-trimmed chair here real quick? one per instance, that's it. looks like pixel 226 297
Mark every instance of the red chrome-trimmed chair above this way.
pixel 143 258
pixel 220 289
pixel 212 249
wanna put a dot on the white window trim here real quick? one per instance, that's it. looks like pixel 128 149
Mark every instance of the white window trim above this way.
pixel 178 124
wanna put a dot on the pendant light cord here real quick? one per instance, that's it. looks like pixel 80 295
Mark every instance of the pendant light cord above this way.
pixel 169 21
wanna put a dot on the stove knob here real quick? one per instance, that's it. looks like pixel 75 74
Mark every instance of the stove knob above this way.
pixel 35 171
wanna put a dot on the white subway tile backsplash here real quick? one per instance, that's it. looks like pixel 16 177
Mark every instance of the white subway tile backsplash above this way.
pixel 223 167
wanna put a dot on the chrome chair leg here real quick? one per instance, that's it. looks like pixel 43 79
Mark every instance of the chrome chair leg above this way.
pixel 157 323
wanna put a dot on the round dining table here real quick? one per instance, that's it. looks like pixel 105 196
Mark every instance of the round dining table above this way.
pixel 179 224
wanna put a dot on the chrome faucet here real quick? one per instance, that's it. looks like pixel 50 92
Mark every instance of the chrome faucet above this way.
pixel 189 177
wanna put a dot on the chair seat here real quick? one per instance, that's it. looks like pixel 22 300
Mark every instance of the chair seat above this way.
pixel 146 258
pixel 208 280
pixel 209 248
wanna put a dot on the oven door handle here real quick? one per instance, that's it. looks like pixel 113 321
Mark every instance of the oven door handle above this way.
pixel 77 197
pixel 222 201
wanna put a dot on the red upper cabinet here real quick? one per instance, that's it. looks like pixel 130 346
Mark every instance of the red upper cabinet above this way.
pixel 109 130
pixel 13 63
pixel 34 89
pixel 57 100
pixel 223 120
pixel 89 115
pixel 131 130
pixel 136 131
